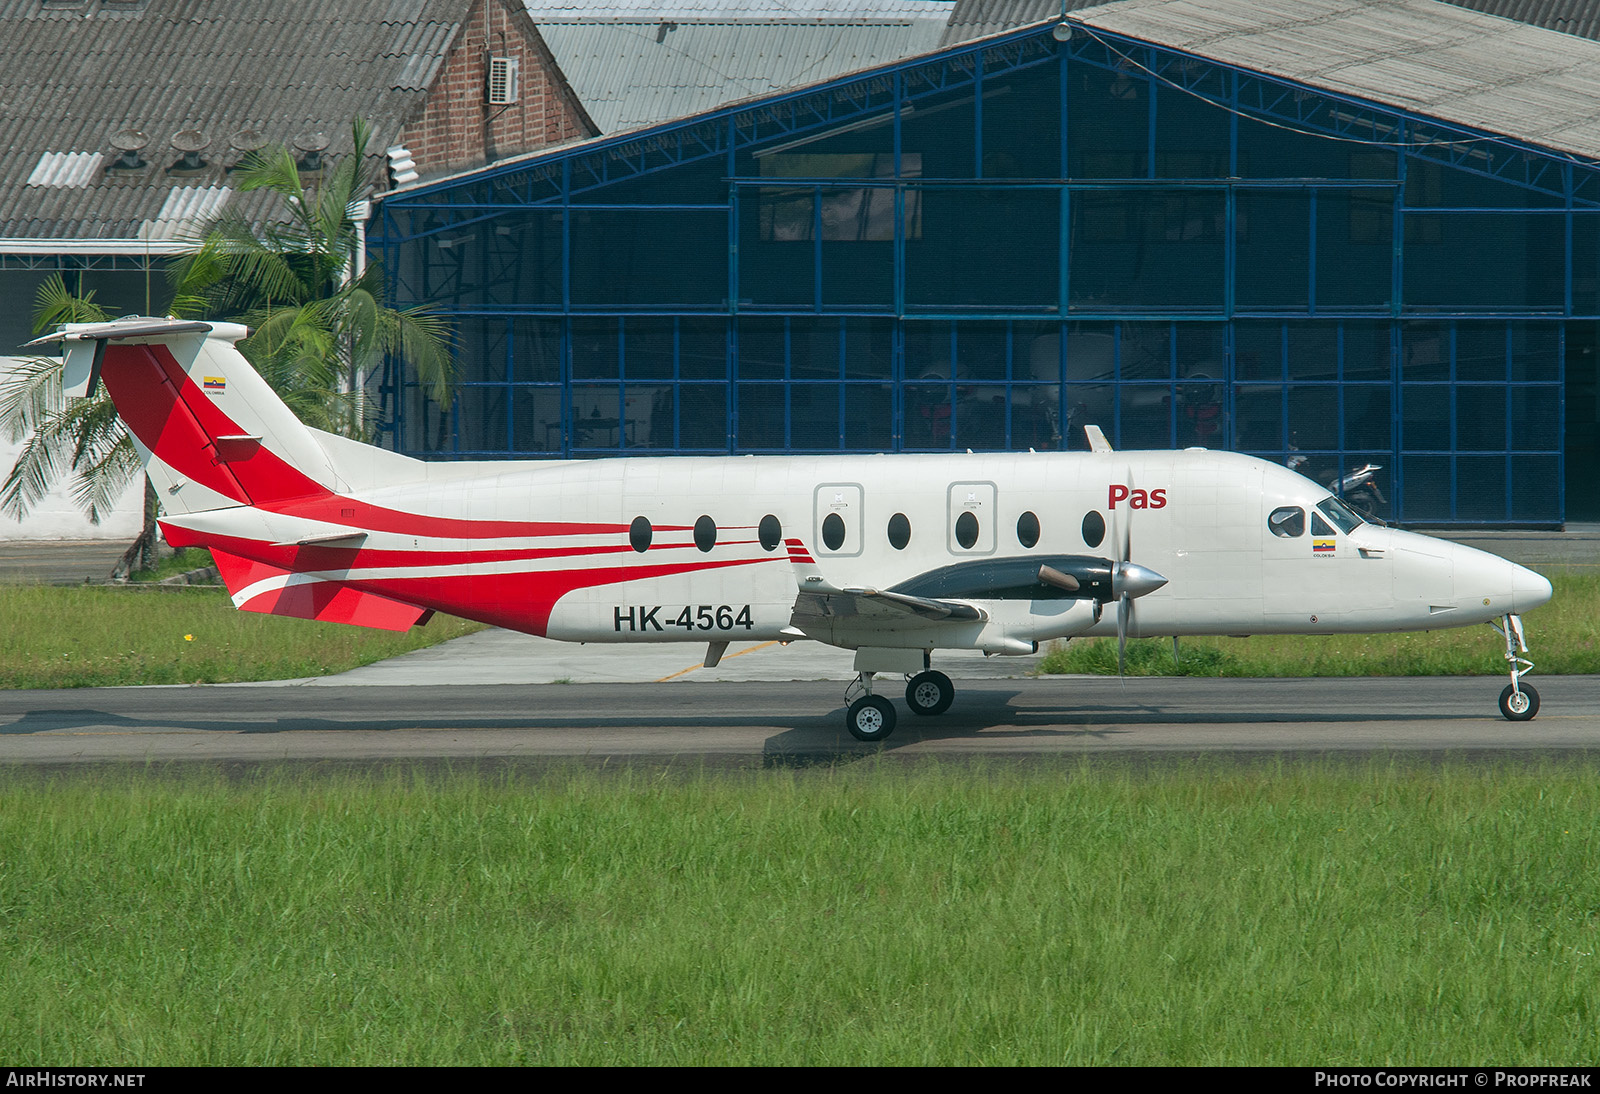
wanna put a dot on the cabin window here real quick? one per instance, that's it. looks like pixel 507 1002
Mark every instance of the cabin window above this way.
pixel 1028 529
pixel 899 531
pixel 1094 529
pixel 705 533
pixel 770 532
pixel 966 530
pixel 833 531
pixel 1288 522
pixel 639 533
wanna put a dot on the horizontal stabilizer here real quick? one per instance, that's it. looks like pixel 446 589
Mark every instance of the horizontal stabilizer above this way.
pixel 257 587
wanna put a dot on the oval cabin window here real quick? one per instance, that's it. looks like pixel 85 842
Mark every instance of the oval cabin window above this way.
pixel 639 533
pixel 705 533
pixel 899 531
pixel 1094 529
pixel 770 532
pixel 833 531
pixel 966 530
pixel 1028 529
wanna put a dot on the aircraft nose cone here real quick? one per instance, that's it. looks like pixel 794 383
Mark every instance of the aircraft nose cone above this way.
pixel 1528 589
pixel 1131 579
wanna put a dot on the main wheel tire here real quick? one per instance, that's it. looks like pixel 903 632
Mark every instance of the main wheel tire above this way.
pixel 1519 704
pixel 930 693
pixel 870 718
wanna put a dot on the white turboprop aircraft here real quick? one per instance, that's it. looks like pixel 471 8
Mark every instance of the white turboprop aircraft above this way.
pixel 893 556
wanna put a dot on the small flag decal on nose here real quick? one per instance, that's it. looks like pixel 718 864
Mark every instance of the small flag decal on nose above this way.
pixel 216 383
pixel 1322 546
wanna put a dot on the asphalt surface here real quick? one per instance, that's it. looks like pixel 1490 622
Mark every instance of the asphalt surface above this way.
pixel 776 723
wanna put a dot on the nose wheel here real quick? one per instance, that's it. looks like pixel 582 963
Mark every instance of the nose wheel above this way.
pixel 1519 702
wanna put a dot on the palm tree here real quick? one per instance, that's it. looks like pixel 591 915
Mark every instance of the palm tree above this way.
pixel 321 331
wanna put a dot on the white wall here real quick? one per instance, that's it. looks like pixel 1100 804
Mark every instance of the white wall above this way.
pixel 56 517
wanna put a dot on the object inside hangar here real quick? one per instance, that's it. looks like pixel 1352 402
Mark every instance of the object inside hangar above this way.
pixel 992 246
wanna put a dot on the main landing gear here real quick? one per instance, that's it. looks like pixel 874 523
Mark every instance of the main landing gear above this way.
pixel 1519 702
pixel 872 717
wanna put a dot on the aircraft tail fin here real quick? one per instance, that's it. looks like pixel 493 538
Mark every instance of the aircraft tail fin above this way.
pixel 210 429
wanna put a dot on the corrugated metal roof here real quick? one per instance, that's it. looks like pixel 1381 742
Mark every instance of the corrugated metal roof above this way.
pixel 74 77
pixel 1434 58
pixel 785 10
pixel 629 74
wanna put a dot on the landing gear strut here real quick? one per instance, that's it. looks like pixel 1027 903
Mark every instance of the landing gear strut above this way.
pixel 1519 702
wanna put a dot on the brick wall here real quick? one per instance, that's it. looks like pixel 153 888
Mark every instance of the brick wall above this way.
pixel 459 129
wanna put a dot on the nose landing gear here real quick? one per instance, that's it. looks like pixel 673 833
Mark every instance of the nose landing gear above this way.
pixel 1519 702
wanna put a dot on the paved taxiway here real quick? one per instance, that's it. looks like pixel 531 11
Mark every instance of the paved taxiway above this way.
pixel 766 722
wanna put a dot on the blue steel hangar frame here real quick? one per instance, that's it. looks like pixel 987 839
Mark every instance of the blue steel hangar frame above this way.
pixel 994 245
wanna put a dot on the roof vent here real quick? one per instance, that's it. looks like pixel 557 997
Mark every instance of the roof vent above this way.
pixel 246 142
pixel 503 72
pixel 310 146
pixel 128 142
pixel 402 168
pixel 191 142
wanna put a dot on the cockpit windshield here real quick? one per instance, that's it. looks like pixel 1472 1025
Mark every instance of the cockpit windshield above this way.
pixel 1343 517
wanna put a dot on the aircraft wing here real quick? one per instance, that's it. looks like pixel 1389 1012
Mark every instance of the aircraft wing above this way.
pixel 821 604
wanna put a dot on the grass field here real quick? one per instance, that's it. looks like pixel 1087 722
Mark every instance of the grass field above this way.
pixel 1563 637
pixel 1210 914
pixel 96 636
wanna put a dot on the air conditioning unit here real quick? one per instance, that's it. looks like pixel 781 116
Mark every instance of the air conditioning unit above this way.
pixel 503 74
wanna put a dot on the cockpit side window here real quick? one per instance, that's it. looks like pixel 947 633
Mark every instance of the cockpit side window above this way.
pixel 1288 522
pixel 1320 527
pixel 1341 514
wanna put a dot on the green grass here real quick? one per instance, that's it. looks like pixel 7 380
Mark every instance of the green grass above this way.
pixel 98 636
pixel 1563 637
pixel 1210 914
pixel 178 562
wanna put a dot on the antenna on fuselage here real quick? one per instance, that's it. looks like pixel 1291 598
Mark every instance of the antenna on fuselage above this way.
pixel 1097 439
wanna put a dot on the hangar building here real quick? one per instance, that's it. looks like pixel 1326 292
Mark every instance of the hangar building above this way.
pixel 1332 233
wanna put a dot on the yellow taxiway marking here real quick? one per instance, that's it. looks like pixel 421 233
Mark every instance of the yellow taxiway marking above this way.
pixel 728 657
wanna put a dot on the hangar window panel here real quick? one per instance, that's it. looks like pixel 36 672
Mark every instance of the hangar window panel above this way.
pixel 536 350
pixel 1425 417
pixel 813 349
pixel 1481 352
pixel 981 418
pixel 536 420
pixel 1355 256
pixel 1428 491
pixel 763 349
pixel 519 260
pixel 651 416
pixel 859 274
pixel 940 128
pixel 596 349
pixel 1484 260
pixel 648 349
pixel 1586 263
pixel 1535 488
pixel 868 349
pixel 1430 184
pixel 1481 418
pixel 1201 413
pixel 427 427
pixel 702 348
pixel 849 149
pixel 1314 417
pixel 1146 249
pixel 762 415
pixel 981 350
pixel 597 416
pixel 1201 349
pixel 1536 418
pixel 1258 350
pixel 1145 351
pixel 1146 416
pixel 1036 417
pixel 649 258
pixel 481 349
pixel 1276 151
pixel 1089 404
pixel 777 249
pixel 703 417
pixel 1108 123
pixel 1425 351
pixel 1272 240
pixel 484 418
pixel 1258 418
pixel 699 182
pixel 868 417
pixel 1481 488
pixel 1367 353
pixel 814 417
pixel 1313 351
pixel 1368 417
pixel 1022 124
pixel 985 247
pixel 1192 136
pixel 1535 351
pixel 928 350
pixel 928 412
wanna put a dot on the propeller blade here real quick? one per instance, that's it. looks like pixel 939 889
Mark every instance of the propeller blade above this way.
pixel 1124 610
